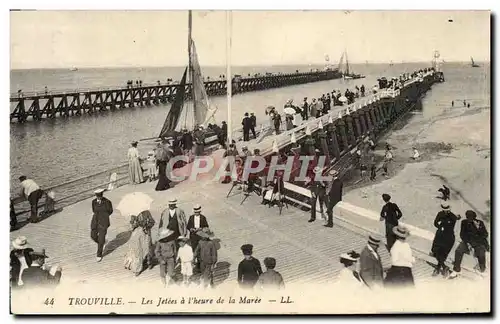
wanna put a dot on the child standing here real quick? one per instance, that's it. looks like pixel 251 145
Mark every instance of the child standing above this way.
pixel 151 165
pixel 165 253
pixel 185 256
pixel 249 268
pixel 271 279
pixel 206 253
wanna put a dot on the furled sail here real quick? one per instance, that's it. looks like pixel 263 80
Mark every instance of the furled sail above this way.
pixel 346 64
pixel 203 110
pixel 341 61
pixel 175 110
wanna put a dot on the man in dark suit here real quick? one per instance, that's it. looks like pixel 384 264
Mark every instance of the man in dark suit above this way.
pixel 254 124
pixel 371 270
pixel 196 223
pixel 247 124
pixel 474 237
pixel 334 195
pixel 38 275
pixel 102 209
pixel 391 214
pixel 318 192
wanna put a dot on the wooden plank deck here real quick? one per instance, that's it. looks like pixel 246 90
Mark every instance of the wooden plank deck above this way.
pixel 305 252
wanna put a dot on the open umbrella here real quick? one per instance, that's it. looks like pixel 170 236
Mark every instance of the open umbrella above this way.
pixel 342 99
pixel 289 111
pixel 134 203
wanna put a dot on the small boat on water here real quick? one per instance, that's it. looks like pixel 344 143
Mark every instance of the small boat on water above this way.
pixel 473 64
pixel 73 69
pixel 344 68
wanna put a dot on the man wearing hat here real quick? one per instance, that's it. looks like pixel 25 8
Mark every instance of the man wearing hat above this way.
pixel 253 125
pixel 196 223
pixel 199 139
pixel 20 259
pixel 102 208
pixel 249 268
pixel 247 124
pixel 334 192
pixel 444 238
pixel 474 237
pixel 38 274
pixel 391 214
pixel 318 192
pixel 174 219
pixel 370 264
pixel 206 255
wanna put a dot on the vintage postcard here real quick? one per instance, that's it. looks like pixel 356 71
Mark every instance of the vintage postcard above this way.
pixel 250 162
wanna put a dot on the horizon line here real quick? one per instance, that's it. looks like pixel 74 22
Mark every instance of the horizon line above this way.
pixel 233 65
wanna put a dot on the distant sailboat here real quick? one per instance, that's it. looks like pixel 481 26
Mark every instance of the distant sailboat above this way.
pixel 73 69
pixel 391 64
pixel 201 111
pixel 473 64
pixel 345 69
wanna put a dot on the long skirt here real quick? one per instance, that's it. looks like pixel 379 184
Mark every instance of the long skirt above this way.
pixel 442 245
pixel 163 181
pixel 139 249
pixel 135 171
pixel 399 277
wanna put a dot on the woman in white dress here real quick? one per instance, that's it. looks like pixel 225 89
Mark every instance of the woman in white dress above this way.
pixel 134 165
pixel 400 274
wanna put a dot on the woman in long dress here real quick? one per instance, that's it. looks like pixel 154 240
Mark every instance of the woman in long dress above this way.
pixel 161 162
pixel 444 239
pixel 134 165
pixel 400 274
pixel 140 243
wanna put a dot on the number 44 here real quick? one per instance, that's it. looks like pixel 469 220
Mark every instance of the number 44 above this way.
pixel 49 301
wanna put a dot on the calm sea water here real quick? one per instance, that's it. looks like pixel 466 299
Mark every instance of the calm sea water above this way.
pixel 55 151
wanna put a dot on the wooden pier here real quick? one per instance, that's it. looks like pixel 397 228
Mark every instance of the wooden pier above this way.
pixel 51 104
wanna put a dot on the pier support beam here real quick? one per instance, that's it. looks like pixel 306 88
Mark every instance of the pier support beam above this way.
pixel 341 125
pixel 350 132
pixel 333 142
pixel 324 145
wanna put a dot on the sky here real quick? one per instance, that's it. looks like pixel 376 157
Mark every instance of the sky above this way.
pixel 61 39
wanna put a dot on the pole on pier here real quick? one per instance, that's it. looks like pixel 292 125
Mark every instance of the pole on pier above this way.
pixel 229 23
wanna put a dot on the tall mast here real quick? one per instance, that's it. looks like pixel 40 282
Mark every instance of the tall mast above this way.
pixel 229 22
pixel 190 66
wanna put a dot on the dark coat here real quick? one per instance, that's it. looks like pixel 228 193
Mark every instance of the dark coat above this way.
pixel 391 214
pixel 203 222
pixel 445 234
pixel 371 270
pixel 16 265
pixel 254 121
pixel 101 212
pixel 187 141
pixel 247 123
pixel 206 252
pixel 249 272
pixel 335 191
pixel 36 277
pixel 474 234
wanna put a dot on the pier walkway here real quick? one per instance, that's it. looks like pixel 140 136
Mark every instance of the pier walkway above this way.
pixel 305 252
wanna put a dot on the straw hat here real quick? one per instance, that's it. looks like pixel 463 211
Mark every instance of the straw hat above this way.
pixel 172 201
pixel 401 231
pixel 20 243
pixel 351 256
pixel 39 253
pixel 197 208
pixel 206 233
pixel 445 206
pixel 165 232
pixel 372 240
pixel 182 238
pixel 99 191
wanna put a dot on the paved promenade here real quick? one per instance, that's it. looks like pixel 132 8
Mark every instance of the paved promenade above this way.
pixel 305 252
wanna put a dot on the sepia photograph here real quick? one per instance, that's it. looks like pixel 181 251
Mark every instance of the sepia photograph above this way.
pixel 244 162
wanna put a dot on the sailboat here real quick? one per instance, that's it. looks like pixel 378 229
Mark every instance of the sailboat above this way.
pixel 199 111
pixel 346 74
pixel 473 64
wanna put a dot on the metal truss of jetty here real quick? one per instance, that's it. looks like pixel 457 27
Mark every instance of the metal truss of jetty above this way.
pixel 301 257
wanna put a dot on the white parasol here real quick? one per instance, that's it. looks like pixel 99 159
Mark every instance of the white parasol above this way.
pixel 134 203
pixel 289 111
pixel 342 99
